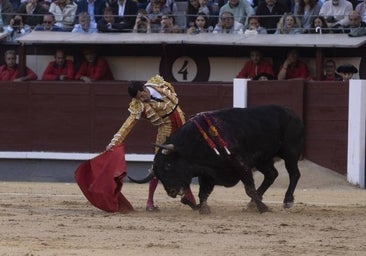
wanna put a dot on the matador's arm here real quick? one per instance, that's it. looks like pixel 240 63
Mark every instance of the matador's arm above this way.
pixel 136 109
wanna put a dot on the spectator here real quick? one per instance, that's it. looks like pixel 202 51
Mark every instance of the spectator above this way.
pixel 48 24
pixel 293 67
pixel 336 12
pixel 201 25
pixel 255 65
pixel 6 10
pixel 356 27
pixel 254 27
pixel 329 69
pixel 60 69
pixel 289 24
pixel 10 70
pixel 168 25
pixel 361 9
pixel 270 12
pixel 167 7
pixel 192 10
pixel 64 12
pixel 16 28
pixel 306 10
pixel 85 26
pixel 94 67
pixel 126 11
pixel 93 7
pixel 241 9
pixel 34 12
pixel 347 71
pixel 228 25
pixel 154 14
pixel 204 8
pixel 318 26
pixel 108 23
pixel 143 23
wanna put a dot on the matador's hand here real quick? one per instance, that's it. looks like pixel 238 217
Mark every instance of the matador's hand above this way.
pixel 109 147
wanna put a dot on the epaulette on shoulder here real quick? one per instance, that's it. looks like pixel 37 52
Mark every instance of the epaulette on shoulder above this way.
pixel 136 107
pixel 155 80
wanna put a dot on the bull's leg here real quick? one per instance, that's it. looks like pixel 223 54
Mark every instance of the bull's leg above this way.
pixel 247 179
pixel 270 174
pixel 205 191
pixel 294 173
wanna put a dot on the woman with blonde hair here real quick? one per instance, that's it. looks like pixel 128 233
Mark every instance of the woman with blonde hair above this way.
pixel 289 24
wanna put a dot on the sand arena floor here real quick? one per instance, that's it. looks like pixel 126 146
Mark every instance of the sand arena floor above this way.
pixel 328 218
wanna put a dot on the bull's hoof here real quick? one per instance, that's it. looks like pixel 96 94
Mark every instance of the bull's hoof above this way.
pixel 262 208
pixel 251 205
pixel 205 210
pixel 189 203
pixel 287 205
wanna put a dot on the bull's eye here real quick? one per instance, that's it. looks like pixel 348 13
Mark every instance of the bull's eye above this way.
pixel 168 167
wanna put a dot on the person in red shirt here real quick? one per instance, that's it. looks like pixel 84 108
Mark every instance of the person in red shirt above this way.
pixel 293 67
pixel 10 70
pixel 256 65
pixel 94 67
pixel 330 71
pixel 60 69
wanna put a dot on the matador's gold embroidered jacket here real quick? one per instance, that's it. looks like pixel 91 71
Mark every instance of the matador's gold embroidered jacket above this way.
pixel 156 112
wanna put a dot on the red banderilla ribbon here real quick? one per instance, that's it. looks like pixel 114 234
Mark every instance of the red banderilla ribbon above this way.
pixel 205 136
pixel 216 134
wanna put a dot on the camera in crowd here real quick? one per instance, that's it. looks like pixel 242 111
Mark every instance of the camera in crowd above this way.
pixel 17 22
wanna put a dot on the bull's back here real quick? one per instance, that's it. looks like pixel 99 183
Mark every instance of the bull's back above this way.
pixel 262 129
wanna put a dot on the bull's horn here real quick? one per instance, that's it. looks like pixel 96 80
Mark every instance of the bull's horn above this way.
pixel 165 146
pixel 144 180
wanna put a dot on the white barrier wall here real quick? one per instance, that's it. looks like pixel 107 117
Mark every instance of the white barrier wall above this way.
pixel 356 133
pixel 240 93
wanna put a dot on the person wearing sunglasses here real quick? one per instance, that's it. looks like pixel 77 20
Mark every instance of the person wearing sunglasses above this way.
pixel 48 24
pixel 228 25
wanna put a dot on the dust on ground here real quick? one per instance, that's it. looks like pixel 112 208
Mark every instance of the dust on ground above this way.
pixel 328 218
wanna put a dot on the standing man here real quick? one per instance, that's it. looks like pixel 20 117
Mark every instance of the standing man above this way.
pixel 157 102
pixel 60 69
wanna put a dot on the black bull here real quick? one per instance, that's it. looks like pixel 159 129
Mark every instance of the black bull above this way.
pixel 244 139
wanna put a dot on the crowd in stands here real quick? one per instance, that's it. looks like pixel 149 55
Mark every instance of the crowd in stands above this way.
pixel 95 67
pixel 164 16
pixel 19 17
pixel 293 67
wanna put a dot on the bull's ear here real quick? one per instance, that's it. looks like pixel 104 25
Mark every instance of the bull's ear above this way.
pixel 167 148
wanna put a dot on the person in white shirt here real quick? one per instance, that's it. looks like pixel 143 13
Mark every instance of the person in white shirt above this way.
pixel 227 24
pixel 241 9
pixel 361 9
pixel 336 12
pixel 64 12
pixel 85 26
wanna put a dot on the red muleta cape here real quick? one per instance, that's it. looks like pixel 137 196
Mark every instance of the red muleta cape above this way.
pixel 101 178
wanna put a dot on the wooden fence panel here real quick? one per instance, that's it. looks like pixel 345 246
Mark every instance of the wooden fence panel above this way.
pixel 326 124
pixel 79 117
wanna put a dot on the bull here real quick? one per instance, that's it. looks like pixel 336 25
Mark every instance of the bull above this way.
pixel 223 147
